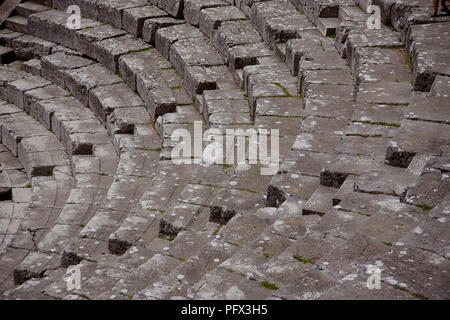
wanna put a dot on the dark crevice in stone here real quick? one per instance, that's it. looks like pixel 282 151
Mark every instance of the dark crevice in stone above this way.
pixel 275 197
pixel 332 179
pixel 5 194
pixel 118 247
pixel 220 215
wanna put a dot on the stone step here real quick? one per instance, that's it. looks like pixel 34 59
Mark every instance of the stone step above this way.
pixel 30 47
pixel 54 114
pixel 441 86
pixel 7 55
pixel 352 13
pixel 152 207
pixel 32 66
pixel 321 9
pixel 47 3
pixel 28 8
pixel 320 201
pixel 211 19
pixel 17 23
pixel 133 19
pixel 363 4
pixel 424 41
pixel 327 26
pixel 407 143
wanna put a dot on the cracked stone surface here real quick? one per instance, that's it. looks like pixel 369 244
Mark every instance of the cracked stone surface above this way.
pixel 88 123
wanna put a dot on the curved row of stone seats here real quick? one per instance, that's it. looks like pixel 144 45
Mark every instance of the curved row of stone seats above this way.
pixel 144 227
pixel 15 193
pixel 322 248
pixel 159 88
pixel 371 75
pixel 368 168
pixel 48 167
pixel 255 236
pixel 91 84
pixel 189 212
pixel 170 33
pixel 424 36
pixel 36 147
pixel 261 68
pixel 380 181
pixel 28 47
pixel 138 159
pixel 109 45
pixel 125 291
pixel 82 135
pixel 127 172
pixel 112 245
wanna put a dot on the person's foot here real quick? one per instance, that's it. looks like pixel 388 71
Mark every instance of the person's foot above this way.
pixel 445 10
pixel 434 15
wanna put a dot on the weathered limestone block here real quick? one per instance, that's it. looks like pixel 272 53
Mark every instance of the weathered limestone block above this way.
pixel 18 126
pixel 193 8
pixel 158 97
pixel 228 202
pixel 323 8
pixel 133 18
pixel 212 18
pixel 48 92
pixel 193 52
pixel 199 78
pixel 40 155
pixel 80 81
pixel 281 29
pixel 32 66
pixel 88 8
pixel 385 93
pixel 54 66
pixel 166 37
pixel 241 56
pixel 108 51
pixel 382 38
pixel 374 55
pixel 33 266
pixel 151 26
pixel 6 37
pixel 124 120
pixel 29 47
pixel 52 112
pixel 428 109
pixel 111 11
pixel 16 89
pixel 416 137
pixel 132 64
pixel 173 7
pixel 441 86
pixel 382 72
pixel 79 136
pixel 262 11
pixel 103 100
pixel 233 33
pixel 85 38
pixel 45 25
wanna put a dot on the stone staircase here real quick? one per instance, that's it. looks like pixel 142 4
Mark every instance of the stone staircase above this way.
pixel 363 178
